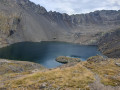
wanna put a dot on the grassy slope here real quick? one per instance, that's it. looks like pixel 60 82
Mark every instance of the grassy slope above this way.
pixel 72 77
pixel 107 70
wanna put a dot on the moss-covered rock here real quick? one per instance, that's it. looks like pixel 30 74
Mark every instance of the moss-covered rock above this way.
pixel 64 59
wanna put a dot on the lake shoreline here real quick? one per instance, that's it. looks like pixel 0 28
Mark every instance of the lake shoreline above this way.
pixel 40 52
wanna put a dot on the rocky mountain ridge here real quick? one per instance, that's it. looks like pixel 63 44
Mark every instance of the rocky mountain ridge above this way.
pixel 34 23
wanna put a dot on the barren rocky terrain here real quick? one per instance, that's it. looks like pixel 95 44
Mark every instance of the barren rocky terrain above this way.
pixel 109 44
pixel 26 21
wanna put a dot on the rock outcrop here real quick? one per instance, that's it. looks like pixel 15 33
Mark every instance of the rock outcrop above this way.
pixel 109 44
pixel 10 66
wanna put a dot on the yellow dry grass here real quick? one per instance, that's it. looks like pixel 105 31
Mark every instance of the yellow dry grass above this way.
pixel 70 77
pixel 108 71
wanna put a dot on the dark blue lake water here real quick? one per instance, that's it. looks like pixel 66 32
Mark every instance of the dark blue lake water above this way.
pixel 45 53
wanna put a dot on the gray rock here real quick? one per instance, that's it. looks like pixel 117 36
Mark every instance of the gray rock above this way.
pixel 109 44
pixel 118 64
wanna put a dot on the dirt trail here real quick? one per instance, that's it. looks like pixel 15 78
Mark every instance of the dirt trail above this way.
pixel 97 85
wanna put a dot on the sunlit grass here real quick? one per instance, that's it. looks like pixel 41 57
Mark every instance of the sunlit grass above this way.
pixel 70 77
pixel 107 70
pixel 73 77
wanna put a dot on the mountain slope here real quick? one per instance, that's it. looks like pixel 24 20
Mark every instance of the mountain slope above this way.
pixel 32 22
pixel 109 44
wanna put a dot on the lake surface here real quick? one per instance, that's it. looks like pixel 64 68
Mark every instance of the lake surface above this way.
pixel 46 52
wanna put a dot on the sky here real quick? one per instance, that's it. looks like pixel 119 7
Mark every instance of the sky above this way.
pixel 78 6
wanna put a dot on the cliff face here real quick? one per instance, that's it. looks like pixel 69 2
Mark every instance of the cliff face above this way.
pixel 34 23
pixel 109 44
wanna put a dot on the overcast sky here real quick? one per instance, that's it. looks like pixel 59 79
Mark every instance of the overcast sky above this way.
pixel 78 6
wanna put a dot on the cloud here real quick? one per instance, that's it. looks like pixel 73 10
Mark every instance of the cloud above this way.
pixel 78 6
